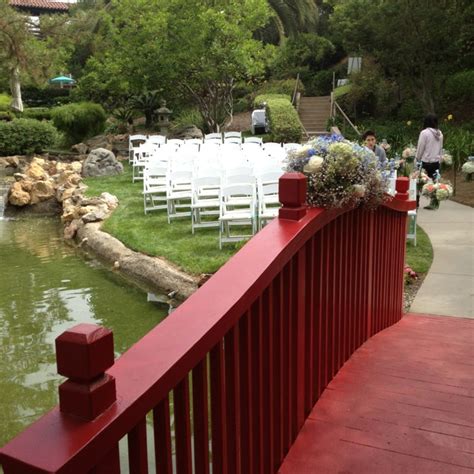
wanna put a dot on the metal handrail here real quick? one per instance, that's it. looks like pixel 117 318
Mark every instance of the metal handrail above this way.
pixel 345 116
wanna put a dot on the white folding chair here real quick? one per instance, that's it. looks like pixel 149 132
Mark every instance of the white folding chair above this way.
pixel 157 139
pixel 233 137
pixel 239 175
pixel 237 208
pixel 267 196
pixel 142 155
pixel 255 140
pixel 154 186
pixel 217 137
pixel 205 200
pixel 134 141
pixel 193 141
pixel 411 231
pixel 175 141
pixel 179 194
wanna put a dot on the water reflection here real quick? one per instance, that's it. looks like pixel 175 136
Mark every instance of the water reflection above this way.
pixel 46 288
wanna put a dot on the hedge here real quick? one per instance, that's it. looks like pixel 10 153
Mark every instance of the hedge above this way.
pixel 38 113
pixel 79 120
pixel 285 125
pixel 25 136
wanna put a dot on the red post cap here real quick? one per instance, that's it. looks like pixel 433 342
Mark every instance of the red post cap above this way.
pixel 84 352
pixel 292 195
pixel 402 185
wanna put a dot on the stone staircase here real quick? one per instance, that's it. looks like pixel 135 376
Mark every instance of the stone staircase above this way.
pixel 314 113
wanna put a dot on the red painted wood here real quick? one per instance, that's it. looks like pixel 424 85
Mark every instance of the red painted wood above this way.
pixel 182 426
pixel 300 349
pixel 160 361
pixel 137 449
pixel 109 464
pixel 292 195
pixel 393 407
pixel 245 361
pixel 200 418
pixel 162 437
pixel 218 409
pixel 233 414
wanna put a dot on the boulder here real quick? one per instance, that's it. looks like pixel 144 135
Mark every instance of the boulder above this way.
pixel 42 191
pixel 188 132
pixel 80 148
pixel 99 141
pixel 18 197
pixel 36 172
pixel 101 162
pixel 12 161
pixel 109 199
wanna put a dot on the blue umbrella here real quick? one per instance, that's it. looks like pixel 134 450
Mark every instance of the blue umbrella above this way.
pixel 62 80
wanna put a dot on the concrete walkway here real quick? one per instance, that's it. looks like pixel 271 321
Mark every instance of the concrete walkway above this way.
pixel 448 289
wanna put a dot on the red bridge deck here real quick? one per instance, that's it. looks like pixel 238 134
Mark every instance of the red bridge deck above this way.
pixel 403 403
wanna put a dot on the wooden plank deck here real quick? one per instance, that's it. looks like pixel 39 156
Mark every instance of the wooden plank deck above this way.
pixel 403 403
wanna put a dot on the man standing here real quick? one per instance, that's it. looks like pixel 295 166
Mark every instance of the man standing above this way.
pixel 370 141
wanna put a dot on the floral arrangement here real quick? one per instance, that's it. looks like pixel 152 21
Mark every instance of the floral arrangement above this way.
pixel 385 145
pixel 409 153
pixel 409 274
pixel 340 173
pixel 437 192
pixel 446 158
pixel 467 169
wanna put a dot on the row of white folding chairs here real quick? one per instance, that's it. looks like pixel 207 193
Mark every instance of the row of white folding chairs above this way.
pixel 229 159
pixel 200 195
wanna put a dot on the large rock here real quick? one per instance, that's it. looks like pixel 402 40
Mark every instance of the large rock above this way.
pixel 42 191
pixel 18 197
pixel 188 132
pixel 101 162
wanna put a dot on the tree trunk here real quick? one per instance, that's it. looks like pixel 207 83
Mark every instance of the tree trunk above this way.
pixel 15 87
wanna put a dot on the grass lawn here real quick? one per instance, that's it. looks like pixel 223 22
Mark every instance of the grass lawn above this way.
pixel 151 234
pixel 195 254
pixel 419 258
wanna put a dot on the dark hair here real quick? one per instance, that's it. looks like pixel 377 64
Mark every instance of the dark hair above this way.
pixel 368 133
pixel 431 121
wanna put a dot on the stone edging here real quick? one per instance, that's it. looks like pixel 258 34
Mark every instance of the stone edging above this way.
pixel 153 272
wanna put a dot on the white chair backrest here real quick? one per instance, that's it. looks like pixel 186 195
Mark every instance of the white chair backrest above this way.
pixel 213 137
pixel 232 135
pixel 255 140
pixel 175 141
pixel 240 189
pixel 135 140
pixel 157 139
pixel 233 140
pixel 195 141
pixel 242 174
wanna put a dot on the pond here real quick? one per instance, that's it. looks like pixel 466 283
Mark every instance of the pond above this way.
pixel 46 287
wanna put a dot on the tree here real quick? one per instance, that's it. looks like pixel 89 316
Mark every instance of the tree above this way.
pixel 417 43
pixel 190 49
pixel 21 52
pixel 294 16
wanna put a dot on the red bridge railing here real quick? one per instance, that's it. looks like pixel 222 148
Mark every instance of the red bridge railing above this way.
pixel 231 375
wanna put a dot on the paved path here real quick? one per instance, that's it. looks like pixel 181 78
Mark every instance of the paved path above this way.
pixel 403 403
pixel 448 288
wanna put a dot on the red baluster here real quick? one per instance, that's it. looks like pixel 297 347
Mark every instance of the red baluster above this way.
pixel 83 353
pixel 292 194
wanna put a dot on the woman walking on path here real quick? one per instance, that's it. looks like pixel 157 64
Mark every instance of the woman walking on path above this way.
pixel 430 146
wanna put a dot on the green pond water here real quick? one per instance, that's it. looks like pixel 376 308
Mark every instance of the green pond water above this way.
pixel 46 287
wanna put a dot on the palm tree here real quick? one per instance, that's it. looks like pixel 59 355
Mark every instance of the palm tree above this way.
pixel 294 16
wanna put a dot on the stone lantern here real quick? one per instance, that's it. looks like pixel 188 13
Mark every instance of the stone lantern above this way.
pixel 164 118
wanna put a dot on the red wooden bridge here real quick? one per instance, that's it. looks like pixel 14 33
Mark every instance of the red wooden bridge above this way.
pixel 232 376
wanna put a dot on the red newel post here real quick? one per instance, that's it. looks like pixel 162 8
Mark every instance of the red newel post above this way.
pixel 402 185
pixel 292 195
pixel 83 354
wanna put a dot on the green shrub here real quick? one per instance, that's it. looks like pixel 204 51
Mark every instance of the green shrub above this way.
pixel 460 86
pixel 6 115
pixel 24 136
pixel 5 101
pixel 46 97
pixel 320 83
pixel 285 125
pixel 284 86
pixel 79 121
pixel 38 113
pixel 186 118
